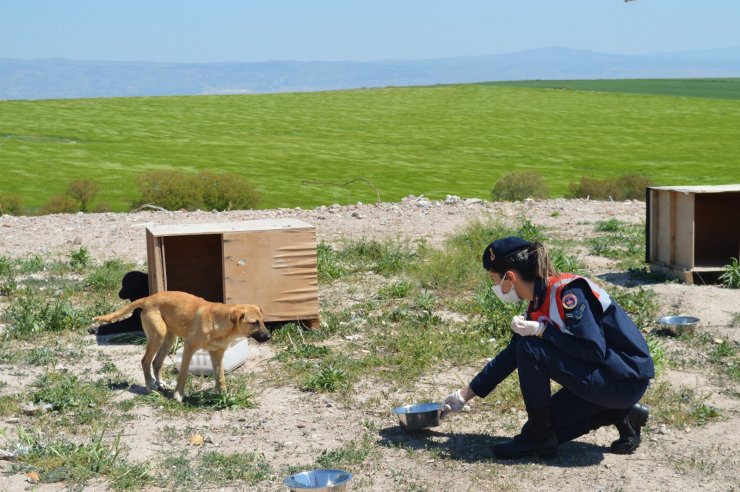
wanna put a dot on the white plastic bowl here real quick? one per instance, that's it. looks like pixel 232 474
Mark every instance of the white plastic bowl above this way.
pixel 200 364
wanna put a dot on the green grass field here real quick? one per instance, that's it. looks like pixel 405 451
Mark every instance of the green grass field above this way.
pixel 456 139
pixel 711 88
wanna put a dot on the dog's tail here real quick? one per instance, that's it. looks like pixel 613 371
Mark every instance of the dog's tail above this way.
pixel 107 318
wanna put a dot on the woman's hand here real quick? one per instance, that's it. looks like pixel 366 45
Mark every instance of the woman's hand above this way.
pixel 456 400
pixel 527 328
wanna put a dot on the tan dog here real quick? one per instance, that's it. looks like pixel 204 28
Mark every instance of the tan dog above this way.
pixel 200 323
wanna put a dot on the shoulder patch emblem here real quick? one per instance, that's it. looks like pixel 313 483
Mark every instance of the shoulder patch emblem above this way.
pixel 570 301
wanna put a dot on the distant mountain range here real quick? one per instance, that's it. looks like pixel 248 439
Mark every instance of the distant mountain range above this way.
pixel 63 79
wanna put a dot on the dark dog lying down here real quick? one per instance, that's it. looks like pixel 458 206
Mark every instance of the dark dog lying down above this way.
pixel 134 286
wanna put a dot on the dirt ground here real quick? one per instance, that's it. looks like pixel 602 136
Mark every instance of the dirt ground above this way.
pixel 291 427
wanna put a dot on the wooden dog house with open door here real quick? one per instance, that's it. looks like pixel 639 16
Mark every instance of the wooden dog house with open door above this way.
pixel 692 231
pixel 271 263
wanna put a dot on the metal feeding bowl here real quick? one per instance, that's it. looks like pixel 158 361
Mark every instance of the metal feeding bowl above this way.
pixel 318 480
pixel 419 416
pixel 678 325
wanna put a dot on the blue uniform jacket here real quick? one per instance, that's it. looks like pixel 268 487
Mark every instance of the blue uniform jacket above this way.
pixel 609 339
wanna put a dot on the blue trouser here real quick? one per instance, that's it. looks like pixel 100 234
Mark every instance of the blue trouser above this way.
pixel 590 396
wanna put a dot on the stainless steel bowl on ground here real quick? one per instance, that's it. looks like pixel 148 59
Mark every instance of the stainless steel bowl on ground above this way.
pixel 419 416
pixel 678 325
pixel 318 480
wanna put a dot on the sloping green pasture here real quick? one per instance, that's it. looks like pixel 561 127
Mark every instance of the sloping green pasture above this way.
pixel 434 141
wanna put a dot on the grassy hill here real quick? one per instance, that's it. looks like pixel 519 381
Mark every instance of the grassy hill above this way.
pixel 440 140
pixel 711 88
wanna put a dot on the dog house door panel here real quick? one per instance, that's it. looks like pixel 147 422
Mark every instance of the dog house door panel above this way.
pixel 275 269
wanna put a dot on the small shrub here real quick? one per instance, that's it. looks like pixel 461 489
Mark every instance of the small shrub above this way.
pixel 10 205
pixel 227 192
pixel 626 187
pixel 59 205
pixel 83 191
pixel 175 190
pixel 730 278
pixel 519 186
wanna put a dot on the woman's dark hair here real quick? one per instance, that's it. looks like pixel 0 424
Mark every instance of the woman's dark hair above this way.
pixel 531 262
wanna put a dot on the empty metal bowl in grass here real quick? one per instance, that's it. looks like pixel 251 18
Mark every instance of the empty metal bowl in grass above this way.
pixel 319 480
pixel 419 416
pixel 678 325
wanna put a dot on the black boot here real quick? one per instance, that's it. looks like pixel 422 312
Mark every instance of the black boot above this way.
pixel 537 437
pixel 629 429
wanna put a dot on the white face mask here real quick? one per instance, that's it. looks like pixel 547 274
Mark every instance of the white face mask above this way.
pixel 510 297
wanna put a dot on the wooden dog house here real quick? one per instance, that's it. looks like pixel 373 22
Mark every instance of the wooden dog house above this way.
pixel 692 231
pixel 271 263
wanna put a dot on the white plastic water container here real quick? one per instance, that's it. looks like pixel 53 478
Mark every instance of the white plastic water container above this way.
pixel 200 364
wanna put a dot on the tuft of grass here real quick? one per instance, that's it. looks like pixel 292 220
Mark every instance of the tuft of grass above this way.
pixel 679 408
pixel 31 314
pixel 382 257
pixel 657 353
pixel 620 241
pixel 640 303
pixel 329 378
pixel 9 405
pixel 458 262
pixel 395 290
pixel 79 259
pixel 107 277
pixel 351 454
pixel 67 392
pixel 213 469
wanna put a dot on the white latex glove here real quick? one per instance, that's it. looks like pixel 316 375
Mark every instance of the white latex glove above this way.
pixel 527 328
pixel 454 402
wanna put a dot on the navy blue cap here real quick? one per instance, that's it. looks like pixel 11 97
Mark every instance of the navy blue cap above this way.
pixel 496 252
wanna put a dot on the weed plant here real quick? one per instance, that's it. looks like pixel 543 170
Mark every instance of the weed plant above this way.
pixel 730 278
pixel 77 464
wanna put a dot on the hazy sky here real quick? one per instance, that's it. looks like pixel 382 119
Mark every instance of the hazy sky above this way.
pixel 362 30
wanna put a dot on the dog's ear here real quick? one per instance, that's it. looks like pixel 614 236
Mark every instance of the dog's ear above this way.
pixel 243 315
pixel 250 317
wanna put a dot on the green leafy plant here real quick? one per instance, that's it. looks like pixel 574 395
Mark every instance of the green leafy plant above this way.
pixel 329 378
pixel 79 259
pixel 730 278
pixel 30 314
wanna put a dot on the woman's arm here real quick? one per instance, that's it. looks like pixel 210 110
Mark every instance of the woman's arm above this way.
pixel 586 341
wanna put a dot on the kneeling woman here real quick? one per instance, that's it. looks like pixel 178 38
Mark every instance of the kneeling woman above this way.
pixel 574 334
